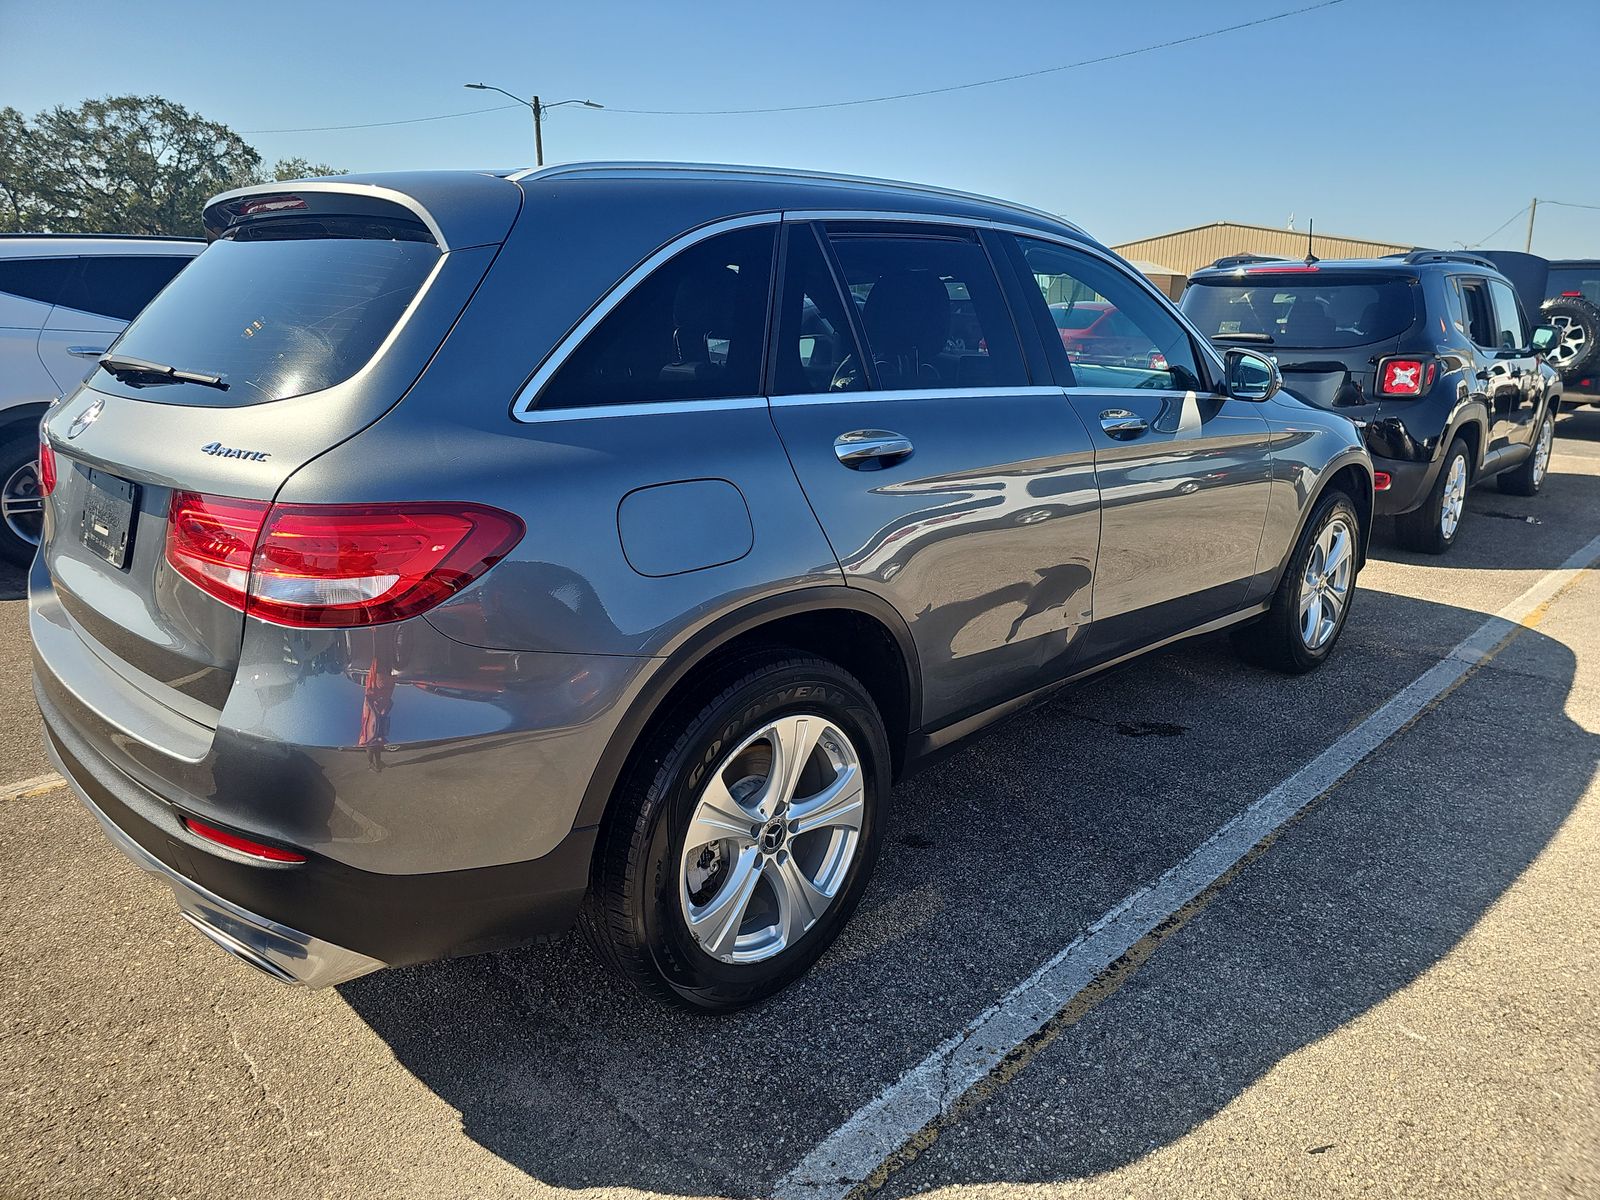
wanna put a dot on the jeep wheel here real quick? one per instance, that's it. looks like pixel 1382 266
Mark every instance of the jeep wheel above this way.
pixel 1431 528
pixel 1529 477
pixel 1577 319
pixel 744 834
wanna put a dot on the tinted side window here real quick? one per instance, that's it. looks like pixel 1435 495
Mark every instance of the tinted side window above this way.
pixel 692 330
pixel 1132 342
pixel 41 279
pixel 1508 331
pixel 1575 281
pixel 120 287
pixel 1480 320
pixel 932 311
pixel 816 350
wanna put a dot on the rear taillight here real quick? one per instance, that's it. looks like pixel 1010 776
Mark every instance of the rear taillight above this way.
pixel 334 565
pixel 241 845
pixel 1381 481
pixel 1405 376
pixel 47 466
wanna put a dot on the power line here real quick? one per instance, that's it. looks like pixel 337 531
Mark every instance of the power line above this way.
pixel 1569 204
pixel 781 108
pixel 978 83
pixel 471 112
pixel 1502 225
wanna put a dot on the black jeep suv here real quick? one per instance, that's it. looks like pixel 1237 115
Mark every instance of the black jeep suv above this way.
pixel 1430 352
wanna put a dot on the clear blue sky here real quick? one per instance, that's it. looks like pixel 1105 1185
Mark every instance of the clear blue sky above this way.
pixel 1371 116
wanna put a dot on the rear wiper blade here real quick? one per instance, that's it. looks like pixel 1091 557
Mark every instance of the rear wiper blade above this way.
pixel 1266 339
pixel 142 370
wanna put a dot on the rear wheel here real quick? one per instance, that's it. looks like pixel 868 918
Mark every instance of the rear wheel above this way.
pixel 1431 528
pixel 743 837
pixel 1527 479
pixel 1312 603
pixel 21 505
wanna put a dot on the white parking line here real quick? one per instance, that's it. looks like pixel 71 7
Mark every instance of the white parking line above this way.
pixel 28 787
pixel 858 1148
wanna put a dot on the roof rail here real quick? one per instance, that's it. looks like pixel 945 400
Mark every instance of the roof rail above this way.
pixel 121 237
pixel 1239 260
pixel 1422 255
pixel 733 170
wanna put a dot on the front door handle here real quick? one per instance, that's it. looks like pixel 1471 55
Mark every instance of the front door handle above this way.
pixel 1122 424
pixel 871 448
pixel 87 351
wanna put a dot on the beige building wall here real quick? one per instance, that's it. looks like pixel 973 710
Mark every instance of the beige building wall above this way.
pixel 1187 250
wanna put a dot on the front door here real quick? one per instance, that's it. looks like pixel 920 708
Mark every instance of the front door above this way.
pixel 1183 471
pixel 946 480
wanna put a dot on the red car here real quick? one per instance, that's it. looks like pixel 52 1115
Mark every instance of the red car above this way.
pixel 1095 331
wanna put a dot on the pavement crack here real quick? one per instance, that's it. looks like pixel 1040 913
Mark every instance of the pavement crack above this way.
pixel 260 1081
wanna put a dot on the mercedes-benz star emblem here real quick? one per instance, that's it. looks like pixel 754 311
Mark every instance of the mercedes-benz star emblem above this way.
pixel 85 419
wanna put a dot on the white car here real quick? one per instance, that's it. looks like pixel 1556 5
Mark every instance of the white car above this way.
pixel 63 301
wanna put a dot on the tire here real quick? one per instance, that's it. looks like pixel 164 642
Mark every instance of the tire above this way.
pixel 1528 477
pixel 650 879
pixel 1432 527
pixel 1578 319
pixel 1288 639
pixel 19 482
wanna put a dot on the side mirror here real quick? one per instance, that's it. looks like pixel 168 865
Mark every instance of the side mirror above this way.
pixel 1251 376
pixel 1544 337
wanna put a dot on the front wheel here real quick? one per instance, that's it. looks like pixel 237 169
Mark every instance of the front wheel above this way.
pixel 744 834
pixel 1527 478
pixel 21 505
pixel 1312 603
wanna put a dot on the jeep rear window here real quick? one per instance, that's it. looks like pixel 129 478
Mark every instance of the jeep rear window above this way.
pixel 1325 314
pixel 275 316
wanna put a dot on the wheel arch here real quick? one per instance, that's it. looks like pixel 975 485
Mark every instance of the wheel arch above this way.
pixel 1351 472
pixel 854 628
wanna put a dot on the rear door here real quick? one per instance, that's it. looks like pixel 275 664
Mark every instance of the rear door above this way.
pixel 1501 378
pixel 1183 471
pixel 948 481
pixel 1513 337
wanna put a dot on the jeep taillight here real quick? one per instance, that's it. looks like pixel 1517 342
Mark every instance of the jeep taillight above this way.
pixel 337 565
pixel 1405 376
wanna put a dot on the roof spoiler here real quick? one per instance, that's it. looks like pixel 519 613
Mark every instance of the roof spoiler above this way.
pixel 1239 260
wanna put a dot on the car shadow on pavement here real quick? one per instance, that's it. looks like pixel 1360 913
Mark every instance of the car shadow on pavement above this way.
pixel 13 582
pixel 994 860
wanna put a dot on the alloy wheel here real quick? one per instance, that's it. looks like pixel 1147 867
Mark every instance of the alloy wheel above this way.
pixel 1454 498
pixel 772 838
pixel 1325 586
pixel 1541 451
pixel 1570 345
pixel 21 505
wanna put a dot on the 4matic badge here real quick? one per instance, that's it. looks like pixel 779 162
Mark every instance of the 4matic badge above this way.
pixel 218 450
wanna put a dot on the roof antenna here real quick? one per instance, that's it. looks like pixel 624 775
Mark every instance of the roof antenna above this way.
pixel 1311 223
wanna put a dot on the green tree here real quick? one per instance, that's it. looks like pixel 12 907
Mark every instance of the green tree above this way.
pixel 125 164
pixel 299 168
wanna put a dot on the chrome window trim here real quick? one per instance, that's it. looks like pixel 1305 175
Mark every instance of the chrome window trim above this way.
pixel 1044 235
pixel 798 399
pixel 522 408
pixel 595 412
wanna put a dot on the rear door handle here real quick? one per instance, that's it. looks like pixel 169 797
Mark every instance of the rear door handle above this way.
pixel 1122 424
pixel 87 351
pixel 871 448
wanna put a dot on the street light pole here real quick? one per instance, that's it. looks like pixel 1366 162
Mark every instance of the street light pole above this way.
pixel 538 108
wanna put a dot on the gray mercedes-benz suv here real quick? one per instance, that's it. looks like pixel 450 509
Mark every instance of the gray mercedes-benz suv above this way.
pixel 447 555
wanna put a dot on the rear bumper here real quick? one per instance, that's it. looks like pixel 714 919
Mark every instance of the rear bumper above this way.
pixel 1409 483
pixel 288 955
pixel 320 922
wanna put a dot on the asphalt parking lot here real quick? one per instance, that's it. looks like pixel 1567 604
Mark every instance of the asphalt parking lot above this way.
pixel 1398 995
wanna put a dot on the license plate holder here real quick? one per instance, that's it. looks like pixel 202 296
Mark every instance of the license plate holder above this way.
pixel 106 524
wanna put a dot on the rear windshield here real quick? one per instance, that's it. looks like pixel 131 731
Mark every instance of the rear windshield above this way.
pixel 1584 281
pixel 1295 312
pixel 1075 316
pixel 274 317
